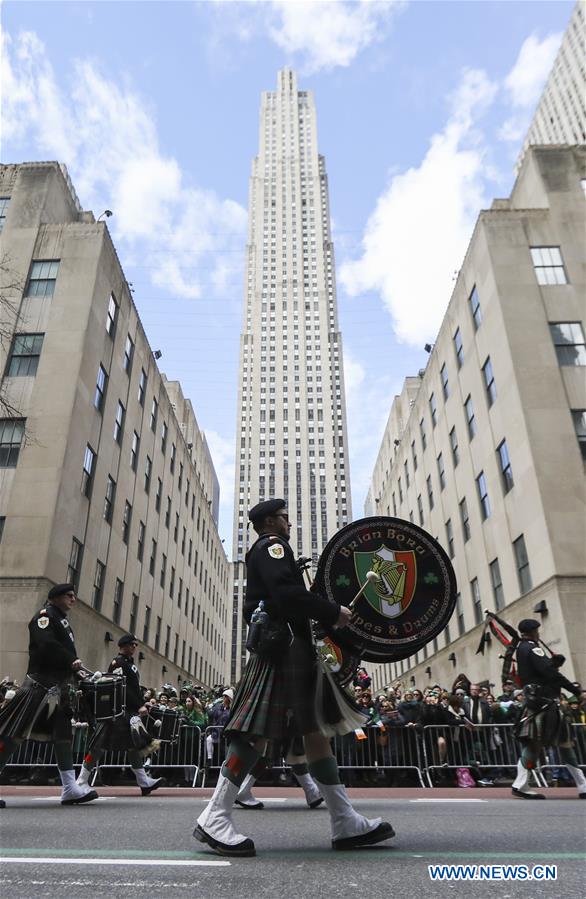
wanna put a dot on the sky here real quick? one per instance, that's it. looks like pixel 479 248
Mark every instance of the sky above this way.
pixel 422 106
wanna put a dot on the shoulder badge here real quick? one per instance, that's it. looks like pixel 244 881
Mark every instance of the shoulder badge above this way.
pixel 276 551
pixel 538 651
pixel 43 622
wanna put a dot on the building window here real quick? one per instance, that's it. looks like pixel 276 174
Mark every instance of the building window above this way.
pixel 163 572
pixel 470 418
pixel 433 410
pixel 158 495
pixel 133 613
pixel 153 558
pixel 497 585
pixel 147 474
pixel 458 348
pixel 42 279
pixel 88 471
pixel 140 541
pixel 422 432
pixel 568 339
pixel 126 519
pixel 11 437
pixel 147 625
pixel 441 471
pixel 172 582
pixel 489 381
pixel 164 432
pixel 118 596
pixel 2 525
pixel 74 567
pixel 128 354
pixel 4 203
pixel 476 600
pixel 483 496
pixel 142 385
pixel 112 316
pixel 420 509
pixel 450 538
pixel 460 615
pixel 414 455
pixel 168 512
pixel 464 518
pixel 548 265
pixel 454 447
pixel 173 456
pixel 119 423
pixel 154 412
pixel 134 450
pixel 429 491
pixel 474 304
pixel 24 358
pixel 522 560
pixel 100 393
pixel 109 499
pixel 445 381
pixel 98 587
pixel 505 466
pixel 579 419
pixel 406 470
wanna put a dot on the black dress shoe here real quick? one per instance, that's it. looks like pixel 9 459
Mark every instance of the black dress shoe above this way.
pixel 316 802
pixel 3 804
pixel 160 782
pixel 245 849
pixel 257 804
pixel 580 796
pixel 383 832
pixel 88 797
pixel 522 795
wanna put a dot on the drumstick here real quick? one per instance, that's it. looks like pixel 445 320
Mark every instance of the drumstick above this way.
pixel 370 576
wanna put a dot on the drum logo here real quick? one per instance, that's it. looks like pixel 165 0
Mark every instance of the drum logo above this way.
pixel 391 595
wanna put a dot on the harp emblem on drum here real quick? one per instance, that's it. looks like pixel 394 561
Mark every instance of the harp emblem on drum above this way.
pixel 397 570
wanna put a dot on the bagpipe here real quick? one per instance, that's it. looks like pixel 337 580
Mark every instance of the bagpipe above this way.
pixel 509 637
pixel 397 580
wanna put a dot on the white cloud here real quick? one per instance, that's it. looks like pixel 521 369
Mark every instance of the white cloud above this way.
pixel 108 139
pixel 525 82
pixel 418 233
pixel 328 34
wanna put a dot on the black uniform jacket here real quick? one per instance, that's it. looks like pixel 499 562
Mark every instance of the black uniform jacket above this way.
pixel 51 646
pixel 126 667
pixel 273 576
pixel 536 667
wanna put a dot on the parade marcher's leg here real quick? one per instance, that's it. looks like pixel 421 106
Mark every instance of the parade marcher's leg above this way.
pixel 90 761
pixel 7 747
pixel 301 774
pixel 72 793
pixel 214 825
pixel 526 763
pixel 147 784
pixel 245 799
pixel 349 829
pixel 569 759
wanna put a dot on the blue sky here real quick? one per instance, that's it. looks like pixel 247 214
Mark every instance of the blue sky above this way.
pixel 422 107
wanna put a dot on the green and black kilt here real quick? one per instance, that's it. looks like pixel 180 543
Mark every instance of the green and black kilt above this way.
pixel 545 725
pixel 38 712
pixel 277 700
pixel 291 698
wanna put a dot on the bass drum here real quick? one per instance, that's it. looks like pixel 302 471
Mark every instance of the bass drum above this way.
pixel 410 602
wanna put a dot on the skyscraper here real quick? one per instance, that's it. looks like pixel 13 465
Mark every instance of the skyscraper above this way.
pixel 560 117
pixel 291 437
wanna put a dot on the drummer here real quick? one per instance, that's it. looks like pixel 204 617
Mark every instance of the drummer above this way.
pixel 117 734
pixel 41 708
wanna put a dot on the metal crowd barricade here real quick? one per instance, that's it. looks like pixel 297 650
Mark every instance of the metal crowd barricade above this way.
pixel 553 757
pixel 379 751
pixel 185 753
pixel 213 750
pixel 488 747
pixel 41 754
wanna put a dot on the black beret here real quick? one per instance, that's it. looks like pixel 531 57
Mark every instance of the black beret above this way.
pixel 268 507
pixel 528 624
pixel 127 639
pixel 60 590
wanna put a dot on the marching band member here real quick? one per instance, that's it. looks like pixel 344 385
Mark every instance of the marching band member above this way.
pixel 276 697
pixel 41 708
pixel 117 734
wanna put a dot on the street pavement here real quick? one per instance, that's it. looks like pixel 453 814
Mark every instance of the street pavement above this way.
pixel 127 845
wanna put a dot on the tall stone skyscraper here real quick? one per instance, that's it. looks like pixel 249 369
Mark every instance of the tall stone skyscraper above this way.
pixel 291 438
